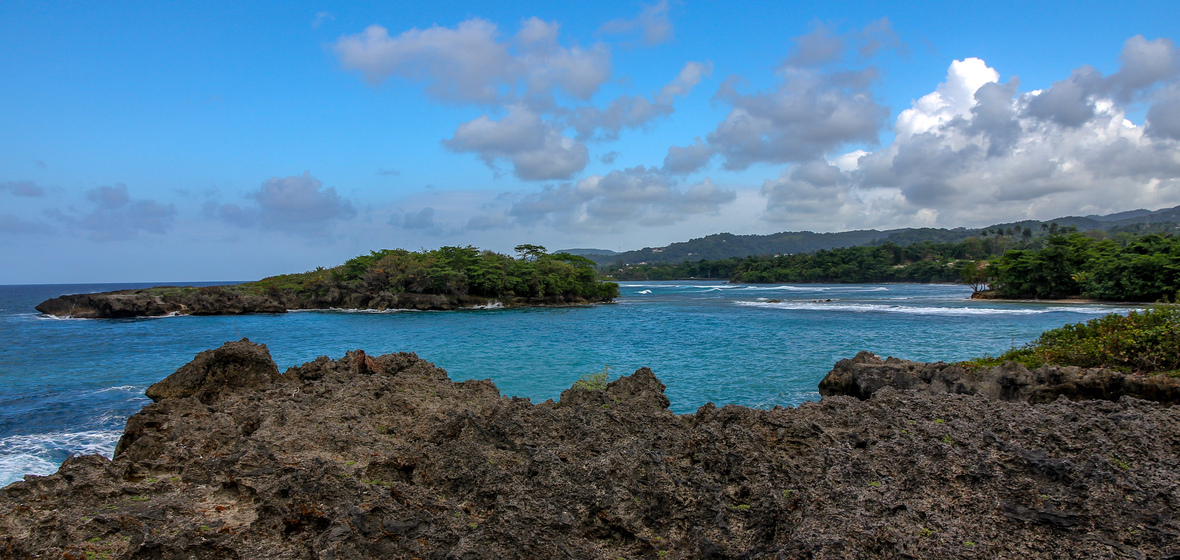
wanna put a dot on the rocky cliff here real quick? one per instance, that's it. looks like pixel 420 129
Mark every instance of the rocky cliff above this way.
pixel 230 300
pixel 385 457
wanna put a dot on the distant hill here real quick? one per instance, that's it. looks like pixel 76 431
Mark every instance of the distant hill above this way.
pixel 726 245
pixel 589 253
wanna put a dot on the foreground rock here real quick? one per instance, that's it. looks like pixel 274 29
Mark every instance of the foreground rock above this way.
pixel 229 300
pixel 867 373
pixel 384 457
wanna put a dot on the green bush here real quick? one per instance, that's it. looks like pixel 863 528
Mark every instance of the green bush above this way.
pixel 1141 342
pixel 593 381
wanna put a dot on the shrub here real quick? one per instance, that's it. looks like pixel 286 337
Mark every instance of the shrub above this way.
pixel 593 381
pixel 1145 341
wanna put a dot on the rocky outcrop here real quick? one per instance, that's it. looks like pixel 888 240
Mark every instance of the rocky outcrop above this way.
pixel 867 373
pixel 231 300
pixel 385 457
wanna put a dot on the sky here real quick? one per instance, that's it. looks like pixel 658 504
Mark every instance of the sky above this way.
pixel 204 141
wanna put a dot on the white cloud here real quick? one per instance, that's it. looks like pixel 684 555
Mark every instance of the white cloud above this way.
pixel 652 24
pixel 618 200
pixel 116 216
pixel 814 109
pixel 953 98
pixel 634 112
pixel 471 63
pixel 977 151
pixel 536 149
pixel 297 204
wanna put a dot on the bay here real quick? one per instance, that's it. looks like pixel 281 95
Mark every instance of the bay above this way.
pixel 67 386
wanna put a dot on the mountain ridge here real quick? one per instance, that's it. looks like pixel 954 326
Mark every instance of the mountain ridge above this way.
pixel 728 245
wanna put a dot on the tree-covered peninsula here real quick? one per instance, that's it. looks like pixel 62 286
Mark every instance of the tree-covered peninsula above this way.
pixel 439 279
pixel 1009 263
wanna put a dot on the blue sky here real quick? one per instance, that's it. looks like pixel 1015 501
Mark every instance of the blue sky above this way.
pixel 221 141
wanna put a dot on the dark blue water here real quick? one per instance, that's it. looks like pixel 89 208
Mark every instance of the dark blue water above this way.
pixel 68 385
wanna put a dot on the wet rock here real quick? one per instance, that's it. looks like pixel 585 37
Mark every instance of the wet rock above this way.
pixel 385 457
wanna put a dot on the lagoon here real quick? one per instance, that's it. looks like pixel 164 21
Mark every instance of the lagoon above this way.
pixel 68 385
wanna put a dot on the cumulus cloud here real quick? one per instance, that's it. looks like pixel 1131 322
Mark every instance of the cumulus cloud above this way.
pixel 298 204
pixel 977 150
pixel 808 115
pixel 632 111
pixel 688 159
pixel 472 63
pixel 117 216
pixel 535 87
pixel 22 188
pixel 617 200
pixel 821 46
pixel 1163 118
pixel 536 149
pixel 652 24
pixel 817 107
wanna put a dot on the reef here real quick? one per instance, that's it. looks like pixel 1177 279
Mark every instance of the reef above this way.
pixel 386 457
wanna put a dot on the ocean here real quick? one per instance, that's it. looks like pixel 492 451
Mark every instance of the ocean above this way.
pixel 67 386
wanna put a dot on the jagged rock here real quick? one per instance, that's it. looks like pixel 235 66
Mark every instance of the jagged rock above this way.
pixel 867 373
pixel 236 365
pixel 385 457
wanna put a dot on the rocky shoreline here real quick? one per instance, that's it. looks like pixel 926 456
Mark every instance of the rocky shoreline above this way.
pixel 229 300
pixel 385 457
pixel 866 373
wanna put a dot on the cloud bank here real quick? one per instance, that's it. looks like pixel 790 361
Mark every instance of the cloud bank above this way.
pixel 977 150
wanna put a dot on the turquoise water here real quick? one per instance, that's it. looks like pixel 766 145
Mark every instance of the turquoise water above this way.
pixel 68 385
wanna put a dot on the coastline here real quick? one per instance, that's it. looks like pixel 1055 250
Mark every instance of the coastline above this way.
pixel 385 457
pixel 985 296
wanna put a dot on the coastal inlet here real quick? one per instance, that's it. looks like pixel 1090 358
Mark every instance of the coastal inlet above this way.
pixel 68 385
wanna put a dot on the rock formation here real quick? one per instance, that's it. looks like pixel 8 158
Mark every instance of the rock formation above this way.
pixel 227 300
pixel 385 457
pixel 867 373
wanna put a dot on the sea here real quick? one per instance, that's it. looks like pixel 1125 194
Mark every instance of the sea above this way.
pixel 67 386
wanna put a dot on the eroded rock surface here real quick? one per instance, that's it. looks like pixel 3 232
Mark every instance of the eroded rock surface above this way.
pixel 867 373
pixel 385 457
pixel 228 300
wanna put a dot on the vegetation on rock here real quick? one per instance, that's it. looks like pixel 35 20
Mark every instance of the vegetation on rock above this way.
pixel 1146 342
pixel 440 279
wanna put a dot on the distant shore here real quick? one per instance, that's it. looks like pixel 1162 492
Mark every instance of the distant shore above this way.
pixel 988 295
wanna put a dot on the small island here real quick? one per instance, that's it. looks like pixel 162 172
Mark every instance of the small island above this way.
pixel 440 279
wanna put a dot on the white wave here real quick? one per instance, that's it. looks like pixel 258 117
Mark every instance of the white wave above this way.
pixel 349 310
pixel 643 292
pixel 132 389
pixel 795 288
pixel 490 305
pixel 927 310
pixel 48 317
pixel 41 454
